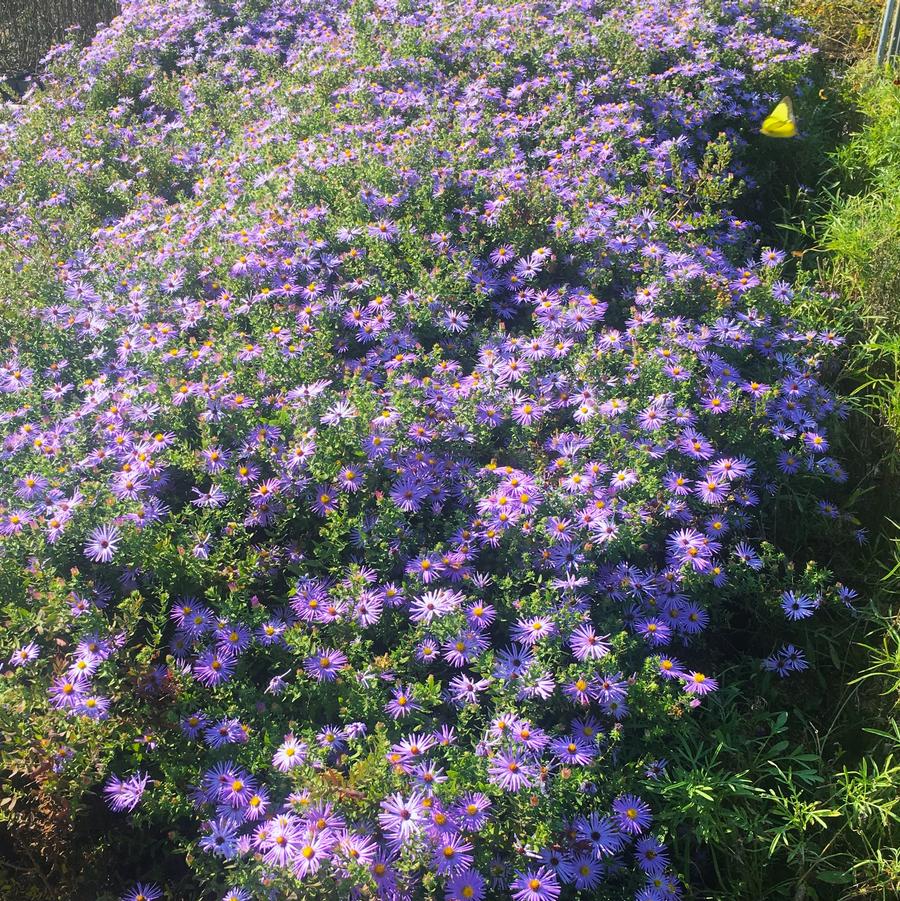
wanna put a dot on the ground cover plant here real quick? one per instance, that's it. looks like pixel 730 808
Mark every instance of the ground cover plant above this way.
pixel 392 399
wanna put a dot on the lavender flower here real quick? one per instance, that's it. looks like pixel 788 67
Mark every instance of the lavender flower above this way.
pixel 122 795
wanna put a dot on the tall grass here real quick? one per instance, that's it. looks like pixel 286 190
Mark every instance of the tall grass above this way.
pixel 846 28
pixel 861 229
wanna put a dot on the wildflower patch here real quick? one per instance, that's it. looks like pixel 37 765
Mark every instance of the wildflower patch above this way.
pixel 391 396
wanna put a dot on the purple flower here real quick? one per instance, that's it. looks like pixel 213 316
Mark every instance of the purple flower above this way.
pixel 103 544
pixel 511 770
pixel 471 811
pixel 402 817
pixel 402 702
pixel 531 631
pixel 573 751
pixel 632 814
pixel 282 840
pixel 699 684
pixel 537 884
pixel 94 707
pixel 312 852
pixel 214 667
pixel 221 840
pixel 193 724
pixel 787 660
pixel 652 856
pixel 291 753
pixel 587 872
pixel 125 794
pixel 67 692
pixel 143 891
pixel 465 690
pixel 452 854
pixel 237 894
pixel 226 731
pixel 797 606
pixel 603 835
pixel 392 381
pixel 25 655
pixel 587 645
pixel 466 886
pixel 325 664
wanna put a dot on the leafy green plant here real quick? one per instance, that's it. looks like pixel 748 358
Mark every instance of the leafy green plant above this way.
pixel 778 804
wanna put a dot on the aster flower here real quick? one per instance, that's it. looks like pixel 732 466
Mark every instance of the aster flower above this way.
pixel 237 894
pixel 468 885
pixel 325 664
pixel 434 604
pixel 651 855
pixel 226 731
pixel 472 811
pixel 68 692
pixel 797 606
pixel 125 794
pixel 291 753
pixel 699 684
pixel 530 632
pixel 511 770
pixel 402 703
pixel 587 728
pixel 325 500
pixel 537 884
pixel 450 436
pixel 313 850
pixel 283 838
pixel 103 544
pixel 465 690
pixel 587 872
pixel 480 615
pixel 332 738
pixel 358 848
pixel 143 891
pixel 221 840
pixel 452 854
pixel 193 724
pixel 603 835
pixel 632 814
pixel 670 668
pixel 580 690
pixel 214 667
pixel 25 655
pixel 95 707
pixel 587 645
pixel 233 639
pixel 402 817
pixel 573 751
pixel 428 651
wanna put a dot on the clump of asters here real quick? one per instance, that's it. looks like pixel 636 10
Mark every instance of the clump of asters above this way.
pixel 390 484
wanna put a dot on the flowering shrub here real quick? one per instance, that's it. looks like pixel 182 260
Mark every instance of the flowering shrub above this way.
pixel 391 396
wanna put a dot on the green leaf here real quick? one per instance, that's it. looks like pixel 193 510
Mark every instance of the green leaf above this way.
pixel 834 877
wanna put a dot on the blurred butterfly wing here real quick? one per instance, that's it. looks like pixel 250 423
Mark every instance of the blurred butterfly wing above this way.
pixel 781 123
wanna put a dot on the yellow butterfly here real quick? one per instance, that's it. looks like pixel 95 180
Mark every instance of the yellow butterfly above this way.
pixel 781 123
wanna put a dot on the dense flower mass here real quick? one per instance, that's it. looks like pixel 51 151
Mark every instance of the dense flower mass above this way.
pixel 400 398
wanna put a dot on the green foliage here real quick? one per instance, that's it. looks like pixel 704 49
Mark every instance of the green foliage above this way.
pixel 771 799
